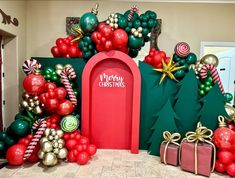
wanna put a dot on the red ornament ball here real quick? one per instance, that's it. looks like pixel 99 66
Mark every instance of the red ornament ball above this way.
pixel 182 49
pixel 225 157
pixel 230 169
pixel 34 84
pixel 65 107
pixel 15 154
pixel 82 158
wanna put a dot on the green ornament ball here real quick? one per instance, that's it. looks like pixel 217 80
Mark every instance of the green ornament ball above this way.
pixel 122 22
pixel 179 73
pixel 69 123
pixel 2 146
pixel 207 89
pixel 133 53
pixel 47 76
pixel 134 42
pixel 191 58
pixel 2 135
pixel 48 70
pixel 202 86
pixel 88 22
pixel 136 24
pixel 207 83
pixel 19 128
pixel 202 92
pixel 55 78
pixel 75 92
pixel 228 97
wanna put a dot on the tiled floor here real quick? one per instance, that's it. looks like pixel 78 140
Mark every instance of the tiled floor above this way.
pixel 106 164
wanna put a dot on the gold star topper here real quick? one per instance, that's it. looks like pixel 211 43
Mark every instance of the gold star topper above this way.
pixel 168 69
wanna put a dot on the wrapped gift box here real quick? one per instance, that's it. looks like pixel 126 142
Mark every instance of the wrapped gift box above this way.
pixel 172 152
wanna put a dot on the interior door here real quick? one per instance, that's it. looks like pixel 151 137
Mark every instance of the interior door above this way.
pixel 226 70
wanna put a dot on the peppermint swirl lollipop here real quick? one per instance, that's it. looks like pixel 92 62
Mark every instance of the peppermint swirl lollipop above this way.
pixel 182 49
pixel 30 66
pixel 69 123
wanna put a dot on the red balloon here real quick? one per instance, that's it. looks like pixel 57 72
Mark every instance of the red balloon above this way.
pixel 120 38
pixel 231 169
pixel 91 150
pixel 67 41
pixel 15 154
pixel 99 47
pixel 157 59
pixel 50 86
pixel 73 51
pixel 55 51
pixel 108 45
pixel 42 98
pixel 63 48
pixel 219 167
pixel 60 93
pixel 65 107
pixel 96 36
pixel 162 54
pixel 71 157
pixel 73 44
pixel 34 84
pixel 225 157
pixel 124 49
pixel 79 148
pixel 106 31
pixel 82 158
pixel 51 104
pixel 71 143
pixel 66 136
pixel 51 94
pixel 59 41
pixel 148 60
pixel 70 38
pixel 101 25
pixel 83 140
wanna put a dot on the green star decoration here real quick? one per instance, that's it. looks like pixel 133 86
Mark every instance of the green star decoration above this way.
pixel 168 69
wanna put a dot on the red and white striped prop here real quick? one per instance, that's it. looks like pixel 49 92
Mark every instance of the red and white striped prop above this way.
pixel 133 9
pixel 30 66
pixel 66 74
pixel 214 73
pixel 41 125
pixel 182 49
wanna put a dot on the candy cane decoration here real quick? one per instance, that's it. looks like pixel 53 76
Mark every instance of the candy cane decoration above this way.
pixel 133 9
pixel 66 74
pixel 41 125
pixel 214 73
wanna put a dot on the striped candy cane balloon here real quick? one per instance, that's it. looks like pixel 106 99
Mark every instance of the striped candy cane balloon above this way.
pixel 66 74
pixel 214 73
pixel 182 49
pixel 41 125
pixel 133 9
pixel 30 66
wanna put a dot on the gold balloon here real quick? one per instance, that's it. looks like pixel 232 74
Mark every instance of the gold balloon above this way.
pixel 230 110
pixel 55 144
pixel 62 153
pixel 42 140
pixel 41 154
pixel 56 150
pixel 60 145
pixel 47 132
pixel 210 59
pixel 47 146
pixel 49 159
pixel 68 65
pixel 24 103
pixel 61 141
pixel 59 133
pixel 58 71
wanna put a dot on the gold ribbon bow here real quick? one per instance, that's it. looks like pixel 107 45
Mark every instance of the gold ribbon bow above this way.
pixel 202 134
pixel 77 31
pixel 169 138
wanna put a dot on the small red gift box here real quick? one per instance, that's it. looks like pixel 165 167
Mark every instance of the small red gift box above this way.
pixel 171 154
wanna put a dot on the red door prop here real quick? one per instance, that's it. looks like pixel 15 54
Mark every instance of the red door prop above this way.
pixel 111 101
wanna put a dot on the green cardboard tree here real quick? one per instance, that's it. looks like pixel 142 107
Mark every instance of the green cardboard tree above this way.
pixel 187 103
pixel 212 106
pixel 165 121
pixel 153 97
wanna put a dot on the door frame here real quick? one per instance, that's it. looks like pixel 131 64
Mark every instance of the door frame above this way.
pixel 86 94
pixel 1 61
pixel 214 44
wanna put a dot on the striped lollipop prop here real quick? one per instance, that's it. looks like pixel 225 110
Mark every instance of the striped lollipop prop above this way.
pixel 30 66
pixel 69 123
pixel 66 74
pixel 133 9
pixel 41 125
pixel 182 49
pixel 214 73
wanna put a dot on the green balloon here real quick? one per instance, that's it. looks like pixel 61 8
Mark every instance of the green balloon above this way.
pixel 81 44
pixel 186 66
pixel 2 146
pixel 151 14
pixel 19 128
pixel 179 73
pixel 191 58
pixel 87 39
pixel 88 22
pixel 122 22
pixel 127 29
pixel 134 42
pixel 136 24
pixel 87 55
pixel 182 62
pixel 90 47
pixel 47 76
pixel 151 23
pixel 146 39
pixel 202 92
pixel 145 18
pixel 229 97
pixel 85 49
pixel 55 78
pixel 176 58
pixel 207 88
pixel 129 24
pixel 202 86
pixel 48 70
pixel 144 24
pixel 207 83
pixel 2 135
pixel 145 31
pixel 155 23
pixel 133 53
